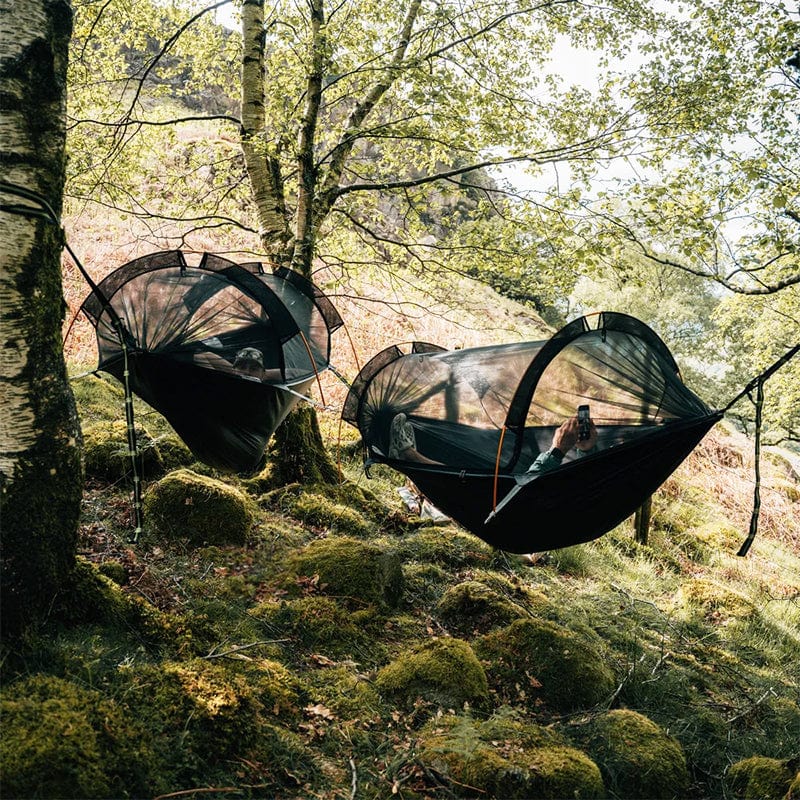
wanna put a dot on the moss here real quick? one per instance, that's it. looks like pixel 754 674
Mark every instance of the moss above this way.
pixel 713 601
pixel 760 778
pixel 359 573
pixel 279 690
pixel 90 597
pixel 322 512
pixel 794 789
pixel 115 571
pixel 446 546
pixel 320 624
pixel 205 715
pixel 423 584
pixel 534 660
pixel 637 758
pixel 472 606
pixel 62 741
pixel 347 493
pixel 106 455
pixel 196 711
pixel 174 453
pixel 350 695
pixel 198 508
pixel 506 758
pixel 442 671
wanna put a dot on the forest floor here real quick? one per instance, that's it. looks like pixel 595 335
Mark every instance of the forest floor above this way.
pixel 337 646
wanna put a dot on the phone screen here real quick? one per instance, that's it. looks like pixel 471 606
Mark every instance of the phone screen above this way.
pixel 584 431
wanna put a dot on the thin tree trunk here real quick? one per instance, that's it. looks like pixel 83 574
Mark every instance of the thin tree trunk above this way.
pixel 298 453
pixel 40 469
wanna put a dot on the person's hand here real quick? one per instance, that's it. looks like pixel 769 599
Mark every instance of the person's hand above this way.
pixel 588 444
pixel 566 437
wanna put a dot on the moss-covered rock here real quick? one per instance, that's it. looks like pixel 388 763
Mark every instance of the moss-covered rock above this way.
pixel 347 494
pixel 533 660
pixel 506 758
pixel 319 511
pixel 106 454
pixel 204 715
pixel 185 505
pixel 62 741
pixel 90 597
pixel 358 573
pixel 448 546
pixel 760 778
pixel 473 606
pixel 320 624
pixel 638 758
pixel 441 671
pixel 712 601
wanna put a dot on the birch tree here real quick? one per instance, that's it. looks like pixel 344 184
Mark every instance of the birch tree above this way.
pixel 40 469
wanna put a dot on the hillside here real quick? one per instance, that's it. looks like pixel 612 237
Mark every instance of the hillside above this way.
pixel 264 641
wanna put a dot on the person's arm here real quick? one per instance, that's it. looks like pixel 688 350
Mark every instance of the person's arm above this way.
pixel 564 439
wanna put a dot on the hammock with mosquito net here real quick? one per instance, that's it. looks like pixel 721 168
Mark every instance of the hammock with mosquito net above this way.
pixel 485 414
pixel 222 350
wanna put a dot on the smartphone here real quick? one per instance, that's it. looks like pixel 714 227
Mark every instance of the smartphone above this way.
pixel 584 431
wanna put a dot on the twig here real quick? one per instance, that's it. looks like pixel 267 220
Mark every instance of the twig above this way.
pixel 757 703
pixel 239 647
pixel 354 781
pixel 204 790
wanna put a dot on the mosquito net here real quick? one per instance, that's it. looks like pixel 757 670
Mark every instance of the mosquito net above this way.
pixel 223 351
pixel 479 408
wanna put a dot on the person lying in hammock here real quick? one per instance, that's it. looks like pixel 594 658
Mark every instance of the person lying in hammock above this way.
pixel 248 363
pixel 403 444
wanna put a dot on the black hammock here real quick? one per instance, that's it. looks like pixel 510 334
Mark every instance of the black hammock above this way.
pixel 184 333
pixel 485 413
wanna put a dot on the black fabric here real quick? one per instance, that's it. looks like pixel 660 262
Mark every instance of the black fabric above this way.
pixel 492 410
pixel 182 327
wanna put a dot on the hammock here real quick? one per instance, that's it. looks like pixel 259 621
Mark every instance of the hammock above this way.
pixel 186 337
pixel 486 413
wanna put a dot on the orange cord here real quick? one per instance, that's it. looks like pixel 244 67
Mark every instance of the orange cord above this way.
pixel 497 467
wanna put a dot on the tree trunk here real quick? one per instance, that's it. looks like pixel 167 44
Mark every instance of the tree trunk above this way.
pixel 40 468
pixel 297 453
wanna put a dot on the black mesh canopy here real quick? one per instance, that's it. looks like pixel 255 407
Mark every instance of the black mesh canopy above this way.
pixel 222 350
pixel 486 413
